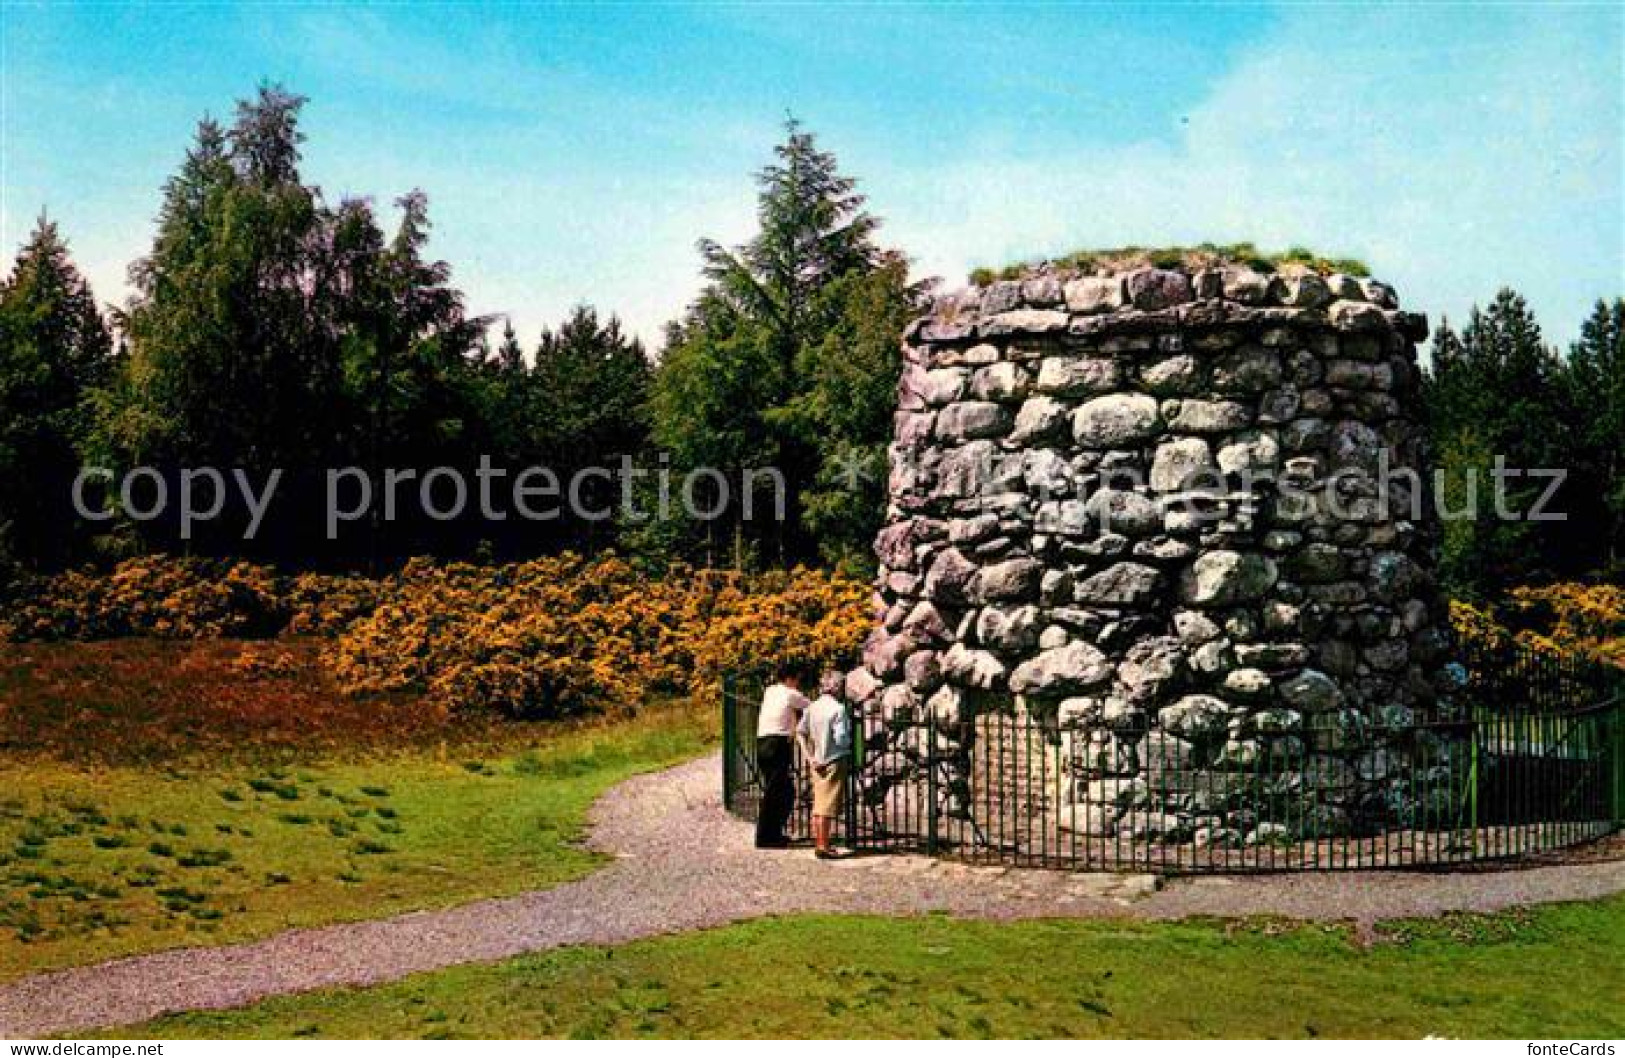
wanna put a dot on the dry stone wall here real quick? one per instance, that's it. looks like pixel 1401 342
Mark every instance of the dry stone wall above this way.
pixel 1181 518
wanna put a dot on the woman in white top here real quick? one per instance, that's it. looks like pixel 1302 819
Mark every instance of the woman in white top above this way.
pixel 782 706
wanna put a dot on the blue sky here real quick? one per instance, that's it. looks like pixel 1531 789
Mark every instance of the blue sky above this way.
pixel 575 153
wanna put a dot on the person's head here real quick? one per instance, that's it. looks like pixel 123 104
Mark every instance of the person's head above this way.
pixel 832 683
pixel 789 674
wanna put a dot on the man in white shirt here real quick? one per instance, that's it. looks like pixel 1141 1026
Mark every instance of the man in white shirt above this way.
pixel 826 734
pixel 782 706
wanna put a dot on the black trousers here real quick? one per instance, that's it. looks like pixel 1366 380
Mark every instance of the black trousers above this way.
pixel 773 758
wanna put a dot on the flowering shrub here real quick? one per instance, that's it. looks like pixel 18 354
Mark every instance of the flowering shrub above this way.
pixel 1564 618
pixel 320 605
pixel 563 635
pixel 1573 618
pixel 183 598
pixel 1476 625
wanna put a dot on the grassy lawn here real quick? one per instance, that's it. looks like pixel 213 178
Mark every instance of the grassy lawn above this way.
pixel 1554 972
pixel 101 860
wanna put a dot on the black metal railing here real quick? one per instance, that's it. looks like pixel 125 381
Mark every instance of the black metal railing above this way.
pixel 1530 760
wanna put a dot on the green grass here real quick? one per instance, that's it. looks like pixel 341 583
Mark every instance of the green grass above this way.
pixel 1554 972
pixel 103 862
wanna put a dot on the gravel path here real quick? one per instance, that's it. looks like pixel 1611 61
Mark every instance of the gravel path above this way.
pixel 681 864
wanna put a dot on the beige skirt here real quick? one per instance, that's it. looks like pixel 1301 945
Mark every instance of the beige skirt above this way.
pixel 829 790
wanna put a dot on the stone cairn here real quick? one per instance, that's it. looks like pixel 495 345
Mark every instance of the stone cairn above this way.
pixel 1178 519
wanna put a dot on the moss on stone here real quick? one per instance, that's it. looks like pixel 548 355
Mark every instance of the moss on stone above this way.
pixel 1188 258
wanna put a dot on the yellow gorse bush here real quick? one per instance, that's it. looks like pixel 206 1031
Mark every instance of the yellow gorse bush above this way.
pixel 568 634
pixel 550 636
pixel 1566 619
pixel 166 598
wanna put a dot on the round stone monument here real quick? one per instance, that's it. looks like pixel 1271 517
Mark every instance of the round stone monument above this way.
pixel 1181 520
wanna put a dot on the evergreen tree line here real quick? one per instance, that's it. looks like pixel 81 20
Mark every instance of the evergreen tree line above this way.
pixel 1497 390
pixel 272 328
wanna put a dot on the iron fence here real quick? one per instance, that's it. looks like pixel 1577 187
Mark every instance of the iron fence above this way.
pixel 1532 759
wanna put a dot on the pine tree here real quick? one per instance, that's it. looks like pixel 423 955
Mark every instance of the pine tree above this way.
pixel 843 408
pixel 747 375
pixel 589 407
pixel 271 331
pixel 1492 392
pixel 232 360
pixel 1595 385
pixel 54 349
pixel 591 383
pixel 510 356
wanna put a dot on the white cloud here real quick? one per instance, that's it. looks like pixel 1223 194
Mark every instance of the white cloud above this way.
pixel 1454 163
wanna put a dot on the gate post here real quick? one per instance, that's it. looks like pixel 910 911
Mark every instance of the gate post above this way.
pixel 1472 788
pixel 1616 720
pixel 729 737
pixel 853 770
pixel 931 784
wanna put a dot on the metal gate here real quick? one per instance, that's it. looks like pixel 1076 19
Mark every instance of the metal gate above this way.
pixel 1534 762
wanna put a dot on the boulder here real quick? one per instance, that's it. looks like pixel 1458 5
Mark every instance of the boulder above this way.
pixel 884 654
pixel 1305 291
pixel 1125 584
pixel 1045 473
pixel 1247 683
pixel 1003 296
pixel 925 624
pixel 1093 294
pixel 895 544
pixel 1042 291
pixel 1172 376
pixel 1116 421
pixel 943 385
pixel 949 705
pixel 1063 518
pixel 1250 369
pixel 861 686
pixel 1122 512
pixel 1356 316
pixel 971 419
pixel 923 671
pixel 1158 288
pixel 1210 416
pixel 1151 669
pixel 1252 452
pixel 1197 717
pixel 1316 563
pixel 1000 382
pixel 1195 627
pixel 1023 321
pixel 972 531
pixel 1040 419
pixel 951 578
pixel 897 701
pixel 1008 629
pixel 1392 576
pixel 1310 691
pixel 1013 580
pixel 1354 444
pixel 1178 462
pixel 1227 578
pixel 1244 285
pixel 973 668
pixel 1071 669
pixel 1077 376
